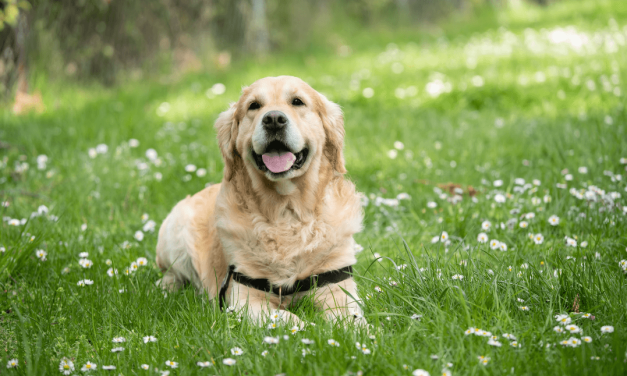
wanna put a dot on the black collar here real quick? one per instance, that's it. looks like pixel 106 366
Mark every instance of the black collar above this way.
pixel 262 284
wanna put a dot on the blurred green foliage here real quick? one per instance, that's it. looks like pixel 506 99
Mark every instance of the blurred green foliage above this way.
pixel 106 39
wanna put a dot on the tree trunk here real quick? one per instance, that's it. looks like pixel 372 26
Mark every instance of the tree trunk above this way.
pixel 21 32
pixel 258 31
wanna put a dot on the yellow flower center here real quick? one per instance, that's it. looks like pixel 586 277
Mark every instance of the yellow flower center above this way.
pixel 88 366
pixel 66 366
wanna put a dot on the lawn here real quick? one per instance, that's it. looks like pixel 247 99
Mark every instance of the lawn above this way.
pixel 493 154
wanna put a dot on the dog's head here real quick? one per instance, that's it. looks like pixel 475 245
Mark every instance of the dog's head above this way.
pixel 279 128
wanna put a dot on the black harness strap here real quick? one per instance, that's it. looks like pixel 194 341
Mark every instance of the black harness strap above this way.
pixel 262 284
pixel 225 286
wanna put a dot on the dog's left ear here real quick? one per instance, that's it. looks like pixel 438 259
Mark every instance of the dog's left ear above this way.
pixel 333 123
pixel 226 128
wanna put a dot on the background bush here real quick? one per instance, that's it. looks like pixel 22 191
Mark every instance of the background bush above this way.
pixel 108 39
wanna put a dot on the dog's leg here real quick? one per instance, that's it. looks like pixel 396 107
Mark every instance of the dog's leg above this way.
pixel 169 282
pixel 337 305
pixel 260 307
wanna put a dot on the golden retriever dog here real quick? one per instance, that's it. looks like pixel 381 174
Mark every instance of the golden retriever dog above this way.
pixel 284 211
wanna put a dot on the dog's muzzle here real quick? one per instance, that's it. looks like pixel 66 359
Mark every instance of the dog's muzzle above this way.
pixel 277 156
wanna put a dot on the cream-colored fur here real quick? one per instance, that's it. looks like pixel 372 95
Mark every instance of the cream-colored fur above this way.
pixel 280 229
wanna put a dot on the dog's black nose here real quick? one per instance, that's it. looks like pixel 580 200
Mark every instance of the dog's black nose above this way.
pixel 274 121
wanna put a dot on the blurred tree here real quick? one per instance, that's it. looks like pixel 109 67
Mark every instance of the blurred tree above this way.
pixel 101 39
pixel 258 31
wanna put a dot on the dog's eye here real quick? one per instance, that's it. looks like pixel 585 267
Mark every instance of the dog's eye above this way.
pixel 254 106
pixel 297 102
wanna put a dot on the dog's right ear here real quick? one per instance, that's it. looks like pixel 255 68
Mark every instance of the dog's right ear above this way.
pixel 226 128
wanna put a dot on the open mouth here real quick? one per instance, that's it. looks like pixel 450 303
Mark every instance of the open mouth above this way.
pixel 279 159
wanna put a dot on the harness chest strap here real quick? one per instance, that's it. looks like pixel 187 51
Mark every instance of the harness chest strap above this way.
pixel 262 284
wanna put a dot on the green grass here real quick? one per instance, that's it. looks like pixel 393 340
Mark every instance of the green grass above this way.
pixel 519 124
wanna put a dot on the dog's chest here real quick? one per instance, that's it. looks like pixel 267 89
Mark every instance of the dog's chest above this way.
pixel 285 246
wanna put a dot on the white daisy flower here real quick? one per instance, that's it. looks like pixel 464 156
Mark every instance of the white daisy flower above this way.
pixel 486 225
pixel 494 343
pixel 149 339
pixel 229 361
pixel 502 246
pixel 307 341
pixel 271 340
pixel 206 364
pixel 607 329
pixel 458 277
pixel 149 226
pixel 586 339
pixel 563 319
pixel 573 329
pixel 446 372
pixel 83 254
pixel 118 339
pixel 171 364
pixel 431 205
pixel 333 342
pixel 111 272
pixel 145 366
pixel 420 372
pixel 41 254
pixel 443 236
pixel 514 344
pixel 84 282
pixel 272 325
pixel 570 242
pixel 482 237
pixel 85 263
pixel 139 236
pixel 524 308
pixel 12 363
pixel 494 244
pixel 523 224
pixel 236 351
pixel 554 220
pixel 108 367
pixel 484 360
pixel 509 336
pixel 538 238
pixel 89 366
pixel 117 349
pixel 66 366
pixel 572 342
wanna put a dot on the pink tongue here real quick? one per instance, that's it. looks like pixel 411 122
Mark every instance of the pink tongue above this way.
pixel 278 162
